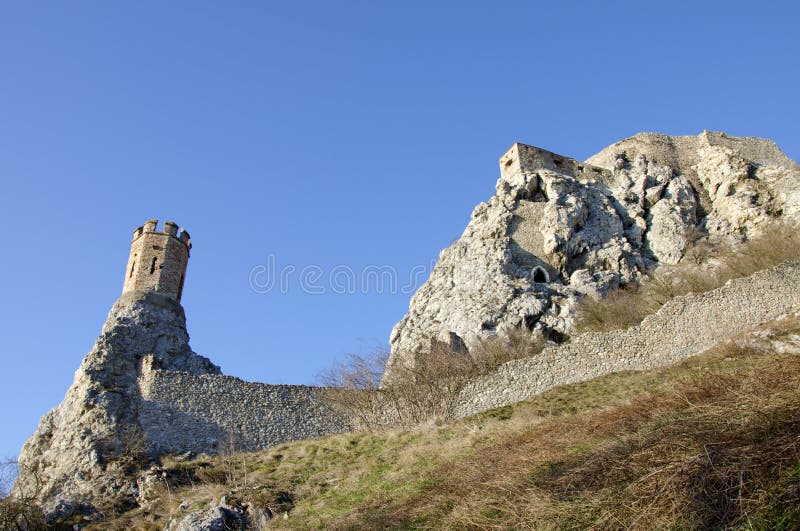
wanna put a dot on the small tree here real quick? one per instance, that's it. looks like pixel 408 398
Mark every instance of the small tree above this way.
pixel 424 386
pixel 20 511
pixel 8 473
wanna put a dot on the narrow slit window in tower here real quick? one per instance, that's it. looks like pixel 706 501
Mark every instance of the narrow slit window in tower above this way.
pixel 133 267
pixel 153 266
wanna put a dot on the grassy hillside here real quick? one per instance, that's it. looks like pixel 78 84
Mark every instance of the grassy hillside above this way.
pixel 713 442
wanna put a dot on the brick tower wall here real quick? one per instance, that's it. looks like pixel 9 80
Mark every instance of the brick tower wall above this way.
pixel 158 260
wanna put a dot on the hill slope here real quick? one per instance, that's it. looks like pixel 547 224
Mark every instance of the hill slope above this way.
pixel 713 441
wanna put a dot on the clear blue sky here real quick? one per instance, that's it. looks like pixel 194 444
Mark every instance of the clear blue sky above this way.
pixel 324 134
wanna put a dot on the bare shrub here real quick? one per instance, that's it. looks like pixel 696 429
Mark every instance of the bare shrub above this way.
pixel 424 387
pixel 422 390
pixel 490 353
pixel 699 249
pixel 352 387
pixel 234 462
pixel 8 473
pixel 613 312
pixel 777 243
pixel 134 447
pixel 20 511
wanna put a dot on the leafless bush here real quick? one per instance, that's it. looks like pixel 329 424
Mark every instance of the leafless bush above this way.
pixel 134 447
pixel 491 353
pixel 613 312
pixel 352 387
pixel 424 386
pixel 234 462
pixel 21 510
pixel 8 473
pixel 699 249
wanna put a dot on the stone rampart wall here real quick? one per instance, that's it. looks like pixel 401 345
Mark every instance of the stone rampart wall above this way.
pixel 181 412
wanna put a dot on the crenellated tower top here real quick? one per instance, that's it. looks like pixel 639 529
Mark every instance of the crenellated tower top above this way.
pixel 158 259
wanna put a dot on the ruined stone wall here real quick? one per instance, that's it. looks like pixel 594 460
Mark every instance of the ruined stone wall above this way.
pixel 158 260
pixel 181 412
pixel 681 328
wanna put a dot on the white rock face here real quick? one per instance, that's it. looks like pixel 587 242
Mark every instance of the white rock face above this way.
pixel 558 229
pixel 78 455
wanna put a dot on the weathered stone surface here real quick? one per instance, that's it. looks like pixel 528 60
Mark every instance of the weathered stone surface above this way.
pixel 141 393
pixel 150 485
pixel 224 516
pixel 182 412
pixel 81 449
pixel 220 518
pixel 558 229
pixel 683 327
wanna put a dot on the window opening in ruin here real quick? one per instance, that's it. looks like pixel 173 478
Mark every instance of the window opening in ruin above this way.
pixel 133 266
pixel 153 266
pixel 540 275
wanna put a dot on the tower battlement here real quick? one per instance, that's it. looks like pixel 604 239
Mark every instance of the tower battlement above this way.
pixel 158 259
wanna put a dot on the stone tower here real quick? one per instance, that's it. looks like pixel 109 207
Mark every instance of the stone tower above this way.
pixel 158 260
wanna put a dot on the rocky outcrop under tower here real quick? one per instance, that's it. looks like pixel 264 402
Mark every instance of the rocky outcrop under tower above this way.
pixel 558 229
pixel 81 453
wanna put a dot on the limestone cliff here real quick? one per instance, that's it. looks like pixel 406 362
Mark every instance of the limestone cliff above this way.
pixel 78 457
pixel 558 229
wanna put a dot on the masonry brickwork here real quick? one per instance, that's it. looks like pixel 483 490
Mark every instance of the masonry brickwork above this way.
pixel 181 412
pixel 158 260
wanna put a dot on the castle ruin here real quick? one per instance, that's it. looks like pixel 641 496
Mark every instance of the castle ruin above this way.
pixel 557 228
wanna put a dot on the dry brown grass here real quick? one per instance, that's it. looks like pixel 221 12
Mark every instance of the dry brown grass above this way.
pixel 705 268
pixel 720 449
pixel 712 442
